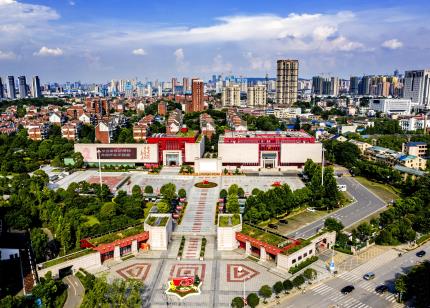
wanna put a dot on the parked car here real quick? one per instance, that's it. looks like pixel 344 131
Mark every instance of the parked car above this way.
pixel 347 289
pixel 421 253
pixel 369 276
pixel 283 221
pixel 381 289
pixel 273 226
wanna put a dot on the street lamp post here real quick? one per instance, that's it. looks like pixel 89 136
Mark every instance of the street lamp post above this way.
pixel 240 270
pixel 100 169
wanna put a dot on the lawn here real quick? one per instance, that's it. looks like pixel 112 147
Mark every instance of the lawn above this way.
pixel 298 220
pixel 260 235
pixel 229 221
pixel 91 220
pixel 383 191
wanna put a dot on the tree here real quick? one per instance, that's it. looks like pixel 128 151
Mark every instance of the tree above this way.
pixel 310 274
pixel 233 189
pixel 255 191
pixel 232 204
pixel 332 224
pixel 136 192
pixel 182 193
pixel 240 192
pixel 168 191
pixel 39 241
pixel 401 284
pixel 278 288
pixel 78 160
pixel 265 292
pixel 253 300
pixel 237 302
pixel 363 232
pixel 298 281
pixel 108 211
pixel 223 193
pixel 288 285
pixel 163 207
pixel 148 189
pixel 48 290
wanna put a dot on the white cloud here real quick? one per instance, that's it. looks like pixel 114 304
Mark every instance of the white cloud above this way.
pixel 139 52
pixel 49 52
pixel 258 63
pixel 72 3
pixel 179 55
pixel 7 55
pixel 4 2
pixel 24 13
pixel 392 44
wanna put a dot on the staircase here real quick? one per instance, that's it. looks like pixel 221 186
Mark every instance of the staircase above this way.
pixel 200 212
pixel 192 248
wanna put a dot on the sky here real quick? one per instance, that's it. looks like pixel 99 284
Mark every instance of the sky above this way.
pixel 96 41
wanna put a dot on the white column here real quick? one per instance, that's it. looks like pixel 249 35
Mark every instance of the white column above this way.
pixel 134 249
pixel 248 247
pixel 116 254
pixel 263 254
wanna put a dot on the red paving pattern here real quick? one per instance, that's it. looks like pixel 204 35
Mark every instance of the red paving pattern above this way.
pixel 110 180
pixel 187 270
pixel 135 271
pixel 233 274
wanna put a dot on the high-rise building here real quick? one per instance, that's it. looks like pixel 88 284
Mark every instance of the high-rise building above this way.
pixel 197 93
pixel 318 85
pixel 174 84
pixel 11 92
pixel 22 83
pixel 286 81
pixel 334 86
pixel 354 83
pixel 35 87
pixel 1 89
pixel 185 85
pixel 417 87
pixel 257 95
pixel 231 95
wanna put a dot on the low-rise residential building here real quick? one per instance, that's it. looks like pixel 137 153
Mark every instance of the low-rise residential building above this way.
pixel 207 125
pixel 415 148
pixel 414 123
pixel 174 122
pixel 104 132
pixel 140 131
pixel 392 158
pixel 362 146
pixel 70 130
pixel 37 130
pixel 235 121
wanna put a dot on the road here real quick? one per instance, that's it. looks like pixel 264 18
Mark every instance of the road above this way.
pixel 365 204
pixel 385 267
pixel 75 292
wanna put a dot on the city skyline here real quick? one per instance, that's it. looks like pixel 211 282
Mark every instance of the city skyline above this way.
pixel 92 42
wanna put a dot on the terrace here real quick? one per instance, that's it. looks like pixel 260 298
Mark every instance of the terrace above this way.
pixel 155 221
pixel 229 220
pixel 118 235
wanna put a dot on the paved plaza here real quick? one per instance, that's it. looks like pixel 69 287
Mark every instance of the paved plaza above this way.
pixel 218 276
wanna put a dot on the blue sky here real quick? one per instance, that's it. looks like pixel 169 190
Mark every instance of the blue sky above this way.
pixel 95 41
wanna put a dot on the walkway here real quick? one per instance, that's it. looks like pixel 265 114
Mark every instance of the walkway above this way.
pixel 200 212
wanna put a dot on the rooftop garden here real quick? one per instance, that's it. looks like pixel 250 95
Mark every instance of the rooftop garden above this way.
pixel 261 235
pixel 156 221
pixel 302 244
pixel 113 236
pixel 229 221
pixel 67 257
pixel 189 133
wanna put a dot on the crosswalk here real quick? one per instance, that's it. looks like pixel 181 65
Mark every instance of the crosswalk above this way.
pixel 340 299
pixel 369 286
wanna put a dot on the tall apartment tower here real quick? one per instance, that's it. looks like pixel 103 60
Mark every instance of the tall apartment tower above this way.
pixel 287 74
pixel 185 85
pixel 257 95
pixel 22 84
pixel 174 84
pixel 1 89
pixel 231 95
pixel 197 92
pixel 417 87
pixel 11 92
pixel 35 87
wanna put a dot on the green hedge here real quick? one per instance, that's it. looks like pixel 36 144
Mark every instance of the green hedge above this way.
pixel 423 238
pixel 343 249
pixel 302 265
